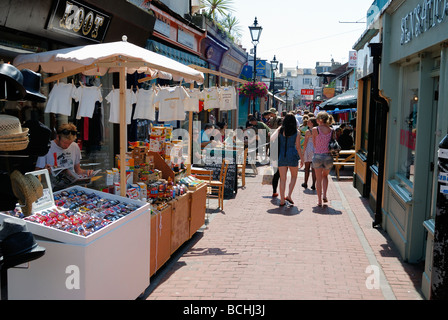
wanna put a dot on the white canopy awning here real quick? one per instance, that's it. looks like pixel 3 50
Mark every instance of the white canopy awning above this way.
pixel 98 59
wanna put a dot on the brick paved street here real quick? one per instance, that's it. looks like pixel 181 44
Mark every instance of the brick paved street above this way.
pixel 255 249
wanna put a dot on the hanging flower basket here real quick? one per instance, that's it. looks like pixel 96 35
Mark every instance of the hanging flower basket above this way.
pixel 254 89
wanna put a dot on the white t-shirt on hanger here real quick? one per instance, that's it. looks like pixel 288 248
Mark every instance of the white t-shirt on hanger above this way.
pixel 192 104
pixel 60 98
pixel 211 98
pixel 171 103
pixel 87 97
pixel 145 109
pixel 113 98
pixel 227 97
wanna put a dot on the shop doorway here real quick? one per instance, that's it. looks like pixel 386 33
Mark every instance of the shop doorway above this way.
pixel 434 142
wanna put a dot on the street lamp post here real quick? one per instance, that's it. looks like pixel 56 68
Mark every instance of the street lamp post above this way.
pixel 255 32
pixel 286 92
pixel 274 65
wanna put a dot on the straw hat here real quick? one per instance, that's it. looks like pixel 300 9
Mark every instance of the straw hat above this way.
pixel 12 136
pixel 27 188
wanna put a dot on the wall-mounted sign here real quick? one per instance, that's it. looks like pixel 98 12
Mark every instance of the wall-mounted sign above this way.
pixel 79 19
pixel 352 59
pixel 423 17
pixel 185 38
pixel 261 68
pixel 162 26
pixel 307 92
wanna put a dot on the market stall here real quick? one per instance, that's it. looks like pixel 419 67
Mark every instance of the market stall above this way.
pixel 98 59
pixel 95 238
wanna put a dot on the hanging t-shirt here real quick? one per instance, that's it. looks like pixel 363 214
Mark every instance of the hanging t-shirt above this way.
pixel 171 103
pixel 211 98
pixel 87 97
pixel 227 98
pixel 145 109
pixel 192 104
pixel 113 98
pixel 60 99
pixel 61 158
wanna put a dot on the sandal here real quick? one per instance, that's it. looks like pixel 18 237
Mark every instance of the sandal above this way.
pixel 319 204
pixel 282 204
pixel 275 195
pixel 304 185
pixel 289 200
pixel 325 199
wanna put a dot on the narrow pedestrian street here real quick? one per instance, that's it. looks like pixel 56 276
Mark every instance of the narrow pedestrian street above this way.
pixel 255 249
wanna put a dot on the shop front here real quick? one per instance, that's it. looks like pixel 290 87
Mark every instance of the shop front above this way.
pixel 413 75
pixel 232 63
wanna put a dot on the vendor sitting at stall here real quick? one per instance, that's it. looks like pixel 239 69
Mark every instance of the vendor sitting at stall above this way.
pixel 63 152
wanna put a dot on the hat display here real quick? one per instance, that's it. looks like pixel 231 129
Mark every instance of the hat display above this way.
pixel 12 136
pixel 16 240
pixel 40 138
pixel 27 188
pixel 31 82
pixel 11 83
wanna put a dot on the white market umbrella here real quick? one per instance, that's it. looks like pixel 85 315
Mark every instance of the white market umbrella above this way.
pixel 98 59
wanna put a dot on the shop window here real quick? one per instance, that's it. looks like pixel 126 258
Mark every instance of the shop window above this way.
pixel 408 124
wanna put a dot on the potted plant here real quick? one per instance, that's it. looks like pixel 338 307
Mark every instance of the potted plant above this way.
pixel 254 89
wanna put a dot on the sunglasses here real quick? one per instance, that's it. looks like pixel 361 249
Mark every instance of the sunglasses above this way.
pixel 67 132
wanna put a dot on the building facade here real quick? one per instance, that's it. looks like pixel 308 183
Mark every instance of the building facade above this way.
pixel 403 71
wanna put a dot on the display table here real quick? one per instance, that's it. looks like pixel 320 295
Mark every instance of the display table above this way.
pixel 111 263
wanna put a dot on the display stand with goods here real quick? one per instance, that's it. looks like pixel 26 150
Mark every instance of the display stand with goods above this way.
pixel 177 200
pixel 90 237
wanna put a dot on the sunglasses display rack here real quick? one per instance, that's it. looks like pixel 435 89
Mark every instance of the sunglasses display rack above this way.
pixel 92 237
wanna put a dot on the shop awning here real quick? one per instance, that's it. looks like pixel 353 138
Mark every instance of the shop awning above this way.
pixel 348 99
pixel 337 110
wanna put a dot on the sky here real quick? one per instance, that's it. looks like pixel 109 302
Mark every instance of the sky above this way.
pixel 300 33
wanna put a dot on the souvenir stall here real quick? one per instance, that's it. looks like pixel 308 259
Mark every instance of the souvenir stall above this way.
pixel 99 244
pixel 160 165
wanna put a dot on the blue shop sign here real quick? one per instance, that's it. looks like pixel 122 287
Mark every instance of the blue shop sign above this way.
pixel 261 67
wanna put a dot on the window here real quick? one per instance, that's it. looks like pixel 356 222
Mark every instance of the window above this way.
pixel 307 81
pixel 408 123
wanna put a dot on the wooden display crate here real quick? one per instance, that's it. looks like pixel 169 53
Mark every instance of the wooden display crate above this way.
pixel 160 239
pixel 180 231
pixel 198 208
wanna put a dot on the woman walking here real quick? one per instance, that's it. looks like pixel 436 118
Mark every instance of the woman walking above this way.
pixel 308 154
pixel 322 159
pixel 289 154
